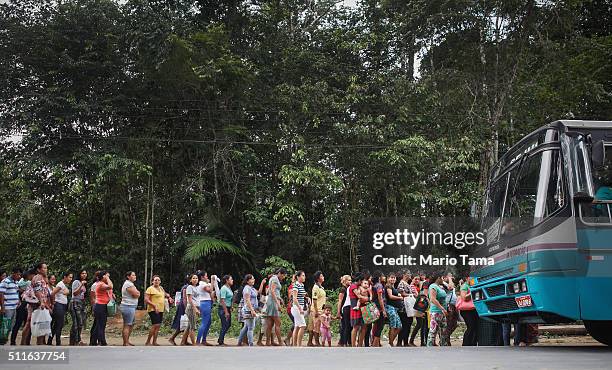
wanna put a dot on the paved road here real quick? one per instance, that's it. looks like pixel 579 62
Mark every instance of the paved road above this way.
pixel 170 358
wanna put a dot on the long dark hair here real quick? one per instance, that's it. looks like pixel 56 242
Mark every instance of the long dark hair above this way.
pixel 246 279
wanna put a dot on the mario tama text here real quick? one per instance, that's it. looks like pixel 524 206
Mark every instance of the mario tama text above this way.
pixel 430 260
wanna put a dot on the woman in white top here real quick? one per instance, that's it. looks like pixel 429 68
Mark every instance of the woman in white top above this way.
pixel 60 307
pixel 129 302
pixel 343 311
pixel 191 309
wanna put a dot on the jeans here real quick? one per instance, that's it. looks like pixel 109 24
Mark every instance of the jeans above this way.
pixel 470 337
pixel 57 324
pixel 205 312
pixel 79 316
pixel 345 326
pixel 93 332
pixel 225 324
pixel 21 316
pixel 247 329
pixel 100 317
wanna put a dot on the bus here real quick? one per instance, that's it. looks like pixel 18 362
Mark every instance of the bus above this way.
pixel 548 227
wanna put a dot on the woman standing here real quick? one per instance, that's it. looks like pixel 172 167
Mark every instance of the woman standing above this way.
pixel 379 297
pixel 104 293
pixel 129 301
pixel 38 297
pixel 343 311
pixel 297 308
pixel 394 303
pixel 60 307
pixel 77 308
pixel 466 309
pixel 249 296
pixel 438 310
pixel 273 307
pixel 180 310
pixel 204 294
pixel 405 289
pixel 155 297
pixel 190 298
pixel 359 295
pixel 93 340
pixel 226 296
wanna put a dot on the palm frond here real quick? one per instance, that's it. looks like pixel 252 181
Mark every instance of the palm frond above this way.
pixel 202 246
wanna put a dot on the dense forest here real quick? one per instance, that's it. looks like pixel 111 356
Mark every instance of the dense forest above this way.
pixel 159 136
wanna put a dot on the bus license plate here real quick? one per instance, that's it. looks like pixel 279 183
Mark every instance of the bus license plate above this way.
pixel 524 301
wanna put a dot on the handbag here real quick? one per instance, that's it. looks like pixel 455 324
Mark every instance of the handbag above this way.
pixel 421 304
pixel 370 313
pixel 463 305
pixel 409 302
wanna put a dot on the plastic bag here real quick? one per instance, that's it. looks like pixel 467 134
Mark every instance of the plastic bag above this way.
pixel 111 308
pixel 5 328
pixel 409 302
pixel 41 323
pixel 184 322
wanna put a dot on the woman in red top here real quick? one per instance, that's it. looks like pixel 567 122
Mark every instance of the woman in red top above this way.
pixel 357 294
pixel 104 293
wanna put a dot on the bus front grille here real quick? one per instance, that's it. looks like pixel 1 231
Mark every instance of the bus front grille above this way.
pixel 496 290
pixel 501 305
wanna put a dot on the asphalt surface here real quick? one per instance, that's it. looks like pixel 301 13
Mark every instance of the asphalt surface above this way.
pixel 280 358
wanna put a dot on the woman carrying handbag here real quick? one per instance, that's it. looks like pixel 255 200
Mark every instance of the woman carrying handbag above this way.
pixel 466 309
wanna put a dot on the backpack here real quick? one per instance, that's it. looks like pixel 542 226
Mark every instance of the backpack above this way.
pixel 421 304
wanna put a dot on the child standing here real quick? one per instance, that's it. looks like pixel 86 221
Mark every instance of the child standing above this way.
pixel 325 330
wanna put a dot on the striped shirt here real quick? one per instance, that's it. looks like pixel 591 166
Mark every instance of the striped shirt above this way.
pixel 10 290
pixel 301 292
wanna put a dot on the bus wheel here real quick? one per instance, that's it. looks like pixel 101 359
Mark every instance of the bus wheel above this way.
pixel 600 330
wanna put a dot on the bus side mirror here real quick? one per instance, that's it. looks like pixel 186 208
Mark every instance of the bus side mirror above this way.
pixel 598 154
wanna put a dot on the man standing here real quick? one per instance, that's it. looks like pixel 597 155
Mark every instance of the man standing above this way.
pixel 9 300
pixel 274 305
pixel 319 299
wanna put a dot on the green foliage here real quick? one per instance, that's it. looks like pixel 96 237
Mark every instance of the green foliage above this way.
pixel 273 263
pixel 204 246
pixel 241 132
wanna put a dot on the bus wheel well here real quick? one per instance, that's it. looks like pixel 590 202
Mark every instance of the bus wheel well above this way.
pixel 600 330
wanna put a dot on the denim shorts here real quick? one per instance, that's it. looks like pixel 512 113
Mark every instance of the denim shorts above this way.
pixel 128 313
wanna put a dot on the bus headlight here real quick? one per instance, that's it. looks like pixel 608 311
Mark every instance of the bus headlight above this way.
pixel 517 287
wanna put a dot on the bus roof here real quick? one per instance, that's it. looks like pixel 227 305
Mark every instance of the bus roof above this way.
pixel 561 125
pixel 582 124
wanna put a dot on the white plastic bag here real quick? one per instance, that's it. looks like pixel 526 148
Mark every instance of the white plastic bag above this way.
pixel 41 323
pixel 409 302
pixel 184 322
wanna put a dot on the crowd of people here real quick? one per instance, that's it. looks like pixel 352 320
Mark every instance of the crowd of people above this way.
pixel 366 304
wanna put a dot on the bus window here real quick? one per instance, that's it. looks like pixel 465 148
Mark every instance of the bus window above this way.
pixel 494 208
pixel 537 194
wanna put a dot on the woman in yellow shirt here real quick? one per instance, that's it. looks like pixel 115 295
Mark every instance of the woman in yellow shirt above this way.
pixel 155 297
